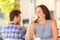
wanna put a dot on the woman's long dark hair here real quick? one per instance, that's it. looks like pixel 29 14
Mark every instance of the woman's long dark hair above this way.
pixel 45 11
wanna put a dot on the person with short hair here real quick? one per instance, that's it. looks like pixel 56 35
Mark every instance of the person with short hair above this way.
pixel 13 31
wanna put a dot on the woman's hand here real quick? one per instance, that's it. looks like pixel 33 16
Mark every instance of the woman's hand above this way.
pixel 33 19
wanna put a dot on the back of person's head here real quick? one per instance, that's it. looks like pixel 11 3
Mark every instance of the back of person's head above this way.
pixel 45 11
pixel 14 13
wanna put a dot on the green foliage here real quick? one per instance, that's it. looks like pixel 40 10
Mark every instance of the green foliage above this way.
pixel 7 5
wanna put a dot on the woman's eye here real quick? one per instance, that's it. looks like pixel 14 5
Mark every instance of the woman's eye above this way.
pixel 37 12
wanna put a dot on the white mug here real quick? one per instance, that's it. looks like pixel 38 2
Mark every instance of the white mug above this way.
pixel 37 38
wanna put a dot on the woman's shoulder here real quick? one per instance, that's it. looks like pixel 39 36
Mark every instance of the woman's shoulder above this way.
pixel 53 20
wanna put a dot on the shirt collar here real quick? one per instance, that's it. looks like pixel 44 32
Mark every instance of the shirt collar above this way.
pixel 11 22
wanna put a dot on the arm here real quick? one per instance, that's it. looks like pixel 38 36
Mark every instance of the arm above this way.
pixel 30 32
pixel 30 29
pixel 54 30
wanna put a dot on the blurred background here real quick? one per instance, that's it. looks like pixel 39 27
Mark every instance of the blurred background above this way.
pixel 27 8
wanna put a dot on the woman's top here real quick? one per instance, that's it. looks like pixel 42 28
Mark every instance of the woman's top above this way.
pixel 44 30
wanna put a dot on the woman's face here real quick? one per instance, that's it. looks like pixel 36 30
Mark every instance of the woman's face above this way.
pixel 39 13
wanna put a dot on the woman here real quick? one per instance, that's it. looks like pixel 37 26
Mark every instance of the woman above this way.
pixel 43 27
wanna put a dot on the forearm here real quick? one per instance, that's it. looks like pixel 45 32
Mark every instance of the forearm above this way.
pixel 29 34
pixel 27 37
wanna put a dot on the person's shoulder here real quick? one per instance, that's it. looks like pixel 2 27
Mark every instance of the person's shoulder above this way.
pixel 54 23
pixel 4 26
pixel 21 28
pixel 53 20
